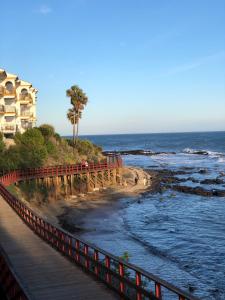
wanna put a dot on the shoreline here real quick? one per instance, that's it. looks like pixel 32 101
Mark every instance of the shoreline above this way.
pixel 70 213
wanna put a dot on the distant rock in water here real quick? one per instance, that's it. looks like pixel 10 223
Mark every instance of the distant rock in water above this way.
pixel 192 151
pixel 136 152
pixel 212 181
pixel 198 191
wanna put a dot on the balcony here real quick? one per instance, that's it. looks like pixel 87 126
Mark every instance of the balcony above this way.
pixel 25 98
pixel 7 109
pixel 26 114
pixel 8 128
pixel 7 93
pixel 1 91
pixel 26 125
pixel 2 109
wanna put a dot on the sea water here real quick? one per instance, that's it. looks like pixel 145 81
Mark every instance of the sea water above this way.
pixel 179 237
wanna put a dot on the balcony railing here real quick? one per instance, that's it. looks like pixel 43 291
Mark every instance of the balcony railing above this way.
pixel 9 93
pixel 4 109
pixel 26 126
pixel 25 97
pixel 8 127
pixel 10 109
pixel 26 113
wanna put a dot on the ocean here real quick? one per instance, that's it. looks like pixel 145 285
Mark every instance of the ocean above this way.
pixel 177 236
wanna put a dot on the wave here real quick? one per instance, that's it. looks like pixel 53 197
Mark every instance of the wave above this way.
pixel 203 152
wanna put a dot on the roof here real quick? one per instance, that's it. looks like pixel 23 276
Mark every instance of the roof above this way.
pixel 11 75
pixel 22 82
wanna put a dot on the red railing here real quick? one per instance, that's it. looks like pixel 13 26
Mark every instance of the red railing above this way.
pixel 126 279
pixel 60 170
pixel 9 282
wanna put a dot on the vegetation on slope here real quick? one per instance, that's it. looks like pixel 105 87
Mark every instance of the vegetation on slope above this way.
pixel 43 146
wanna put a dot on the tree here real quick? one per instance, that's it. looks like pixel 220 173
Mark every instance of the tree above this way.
pixel 78 99
pixel 31 147
pixel 73 117
pixel 2 144
pixel 47 131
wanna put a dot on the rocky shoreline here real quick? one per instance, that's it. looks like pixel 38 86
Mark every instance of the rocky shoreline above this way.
pixel 167 179
pixel 136 152
pixel 151 153
pixel 73 219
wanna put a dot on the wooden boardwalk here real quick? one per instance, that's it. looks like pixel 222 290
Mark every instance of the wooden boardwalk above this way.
pixel 45 273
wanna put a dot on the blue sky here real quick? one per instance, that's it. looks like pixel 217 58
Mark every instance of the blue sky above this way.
pixel 146 66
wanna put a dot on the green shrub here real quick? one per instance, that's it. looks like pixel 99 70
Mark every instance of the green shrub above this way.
pixel 51 148
pixel 57 137
pixel 30 137
pixel 42 146
pixel 2 146
pixel 47 131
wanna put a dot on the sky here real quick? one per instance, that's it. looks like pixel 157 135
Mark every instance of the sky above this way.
pixel 145 65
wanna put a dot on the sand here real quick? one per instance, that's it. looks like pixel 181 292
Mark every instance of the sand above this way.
pixel 71 212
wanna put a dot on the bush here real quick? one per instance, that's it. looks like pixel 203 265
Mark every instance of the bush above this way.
pixel 47 131
pixel 10 159
pixel 31 137
pixel 2 144
pixel 51 148
pixel 39 146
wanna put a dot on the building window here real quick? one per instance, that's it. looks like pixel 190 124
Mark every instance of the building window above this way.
pixel 9 86
pixel 24 92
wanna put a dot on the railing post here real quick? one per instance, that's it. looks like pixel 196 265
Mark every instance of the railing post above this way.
pixel 121 273
pixel 57 238
pixel 63 241
pixel 138 284
pixel 70 247
pixel 86 257
pixel 158 292
pixel 108 275
pixel 96 258
pixel 77 249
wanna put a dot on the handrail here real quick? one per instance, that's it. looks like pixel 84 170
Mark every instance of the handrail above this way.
pixel 130 281
pixel 9 281
pixel 59 170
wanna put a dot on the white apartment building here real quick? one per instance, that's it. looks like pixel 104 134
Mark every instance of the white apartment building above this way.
pixel 17 104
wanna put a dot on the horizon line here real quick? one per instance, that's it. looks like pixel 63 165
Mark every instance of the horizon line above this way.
pixel 142 133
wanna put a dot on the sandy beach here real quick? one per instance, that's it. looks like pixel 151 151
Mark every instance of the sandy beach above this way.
pixel 71 212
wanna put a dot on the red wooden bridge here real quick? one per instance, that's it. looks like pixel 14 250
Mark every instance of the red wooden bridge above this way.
pixel 41 261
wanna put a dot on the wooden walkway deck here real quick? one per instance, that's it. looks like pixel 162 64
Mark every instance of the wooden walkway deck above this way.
pixel 45 273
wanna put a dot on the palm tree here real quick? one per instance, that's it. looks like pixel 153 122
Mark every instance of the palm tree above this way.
pixel 73 117
pixel 78 99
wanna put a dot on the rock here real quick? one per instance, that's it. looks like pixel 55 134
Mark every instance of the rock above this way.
pixel 212 181
pixel 198 191
pixel 193 179
pixel 136 152
pixel 219 193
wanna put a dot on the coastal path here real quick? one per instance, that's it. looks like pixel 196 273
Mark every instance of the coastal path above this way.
pixel 44 272
pixel 41 261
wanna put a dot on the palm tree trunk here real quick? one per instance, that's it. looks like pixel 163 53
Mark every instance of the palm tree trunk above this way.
pixel 77 129
pixel 73 131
